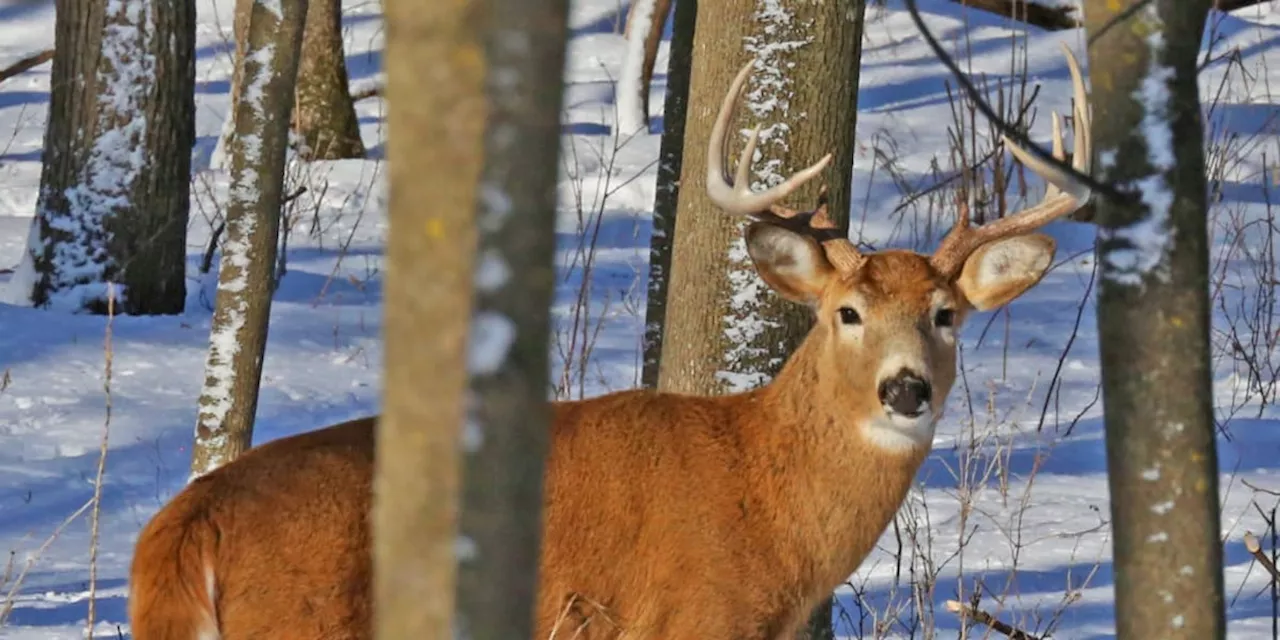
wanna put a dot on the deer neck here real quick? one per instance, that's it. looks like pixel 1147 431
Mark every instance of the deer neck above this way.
pixel 828 491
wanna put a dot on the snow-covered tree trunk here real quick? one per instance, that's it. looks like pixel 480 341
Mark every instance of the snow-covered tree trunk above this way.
pixel 114 190
pixel 729 332
pixel 242 307
pixel 1154 318
pixel 508 426
pixel 667 196
pixel 435 68
pixel 325 117
pixel 239 33
pixel 643 35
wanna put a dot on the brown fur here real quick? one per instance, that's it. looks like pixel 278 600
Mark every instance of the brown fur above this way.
pixel 665 516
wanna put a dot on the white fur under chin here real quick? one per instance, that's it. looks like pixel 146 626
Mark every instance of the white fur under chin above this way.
pixel 899 434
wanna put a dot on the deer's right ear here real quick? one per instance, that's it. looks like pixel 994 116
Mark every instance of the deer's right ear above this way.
pixel 792 264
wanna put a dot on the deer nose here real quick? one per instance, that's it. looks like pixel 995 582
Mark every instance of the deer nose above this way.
pixel 905 394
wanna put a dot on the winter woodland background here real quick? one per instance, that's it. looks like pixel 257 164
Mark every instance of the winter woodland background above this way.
pixel 1013 501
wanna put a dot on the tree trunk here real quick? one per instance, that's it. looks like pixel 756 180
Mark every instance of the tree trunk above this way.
pixel 325 115
pixel 667 196
pixel 114 189
pixel 435 66
pixel 508 431
pixel 643 34
pixel 256 151
pixel 1153 319
pixel 729 332
pixel 239 33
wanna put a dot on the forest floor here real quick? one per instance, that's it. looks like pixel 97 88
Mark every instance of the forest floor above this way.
pixel 1013 499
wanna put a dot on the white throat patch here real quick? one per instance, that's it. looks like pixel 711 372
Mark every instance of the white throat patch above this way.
pixel 899 434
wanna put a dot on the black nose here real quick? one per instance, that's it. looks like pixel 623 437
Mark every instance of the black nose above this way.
pixel 906 393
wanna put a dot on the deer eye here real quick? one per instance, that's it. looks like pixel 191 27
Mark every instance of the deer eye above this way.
pixel 944 318
pixel 849 316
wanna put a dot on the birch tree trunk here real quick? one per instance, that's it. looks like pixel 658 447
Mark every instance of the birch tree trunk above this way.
pixel 1153 318
pixel 667 193
pixel 727 333
pixel 114 188
pixel 508 429
pixel 242 307
pixel 436 66
pixel 325 116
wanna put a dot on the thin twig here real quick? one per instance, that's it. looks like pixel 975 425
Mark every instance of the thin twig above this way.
pixel 1255 548
pixel 26 64
pixel 108 352
pixel 1004 127
pixel 982 617
pixel 9 598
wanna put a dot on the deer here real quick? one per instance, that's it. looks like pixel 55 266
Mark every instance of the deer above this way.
pixel 664 515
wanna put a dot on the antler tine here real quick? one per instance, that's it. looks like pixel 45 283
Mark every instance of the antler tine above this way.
pixel 1064 195
pixel 734 195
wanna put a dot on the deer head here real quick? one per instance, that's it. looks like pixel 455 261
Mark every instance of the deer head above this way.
pixel 887 321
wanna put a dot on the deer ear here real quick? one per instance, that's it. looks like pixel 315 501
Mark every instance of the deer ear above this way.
pixel 792 264
pixel 1000 271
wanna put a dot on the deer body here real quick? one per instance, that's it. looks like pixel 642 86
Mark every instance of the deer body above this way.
pixel 665 516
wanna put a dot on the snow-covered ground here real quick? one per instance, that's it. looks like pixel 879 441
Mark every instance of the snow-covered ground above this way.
pixel 1014 497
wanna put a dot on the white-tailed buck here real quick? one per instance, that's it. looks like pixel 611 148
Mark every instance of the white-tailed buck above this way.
pixel 665 516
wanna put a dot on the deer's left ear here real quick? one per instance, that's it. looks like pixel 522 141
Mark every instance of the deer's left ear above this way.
pixel 1000 271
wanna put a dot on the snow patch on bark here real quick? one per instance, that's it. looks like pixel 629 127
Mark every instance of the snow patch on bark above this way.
pixel 747 362
pixel 1143 248
pixel 226 335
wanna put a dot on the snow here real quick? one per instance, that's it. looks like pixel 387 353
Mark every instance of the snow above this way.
pixel 1014 496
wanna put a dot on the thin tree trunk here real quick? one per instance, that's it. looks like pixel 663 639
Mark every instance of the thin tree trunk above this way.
pixel 508 431
pixel 435 66
pixel 239 33
pixel 667 198
pixel 1153 319
pixel 326 116
pixel 242 307
pixel 643 33
pixel 730 333
pixel 114 189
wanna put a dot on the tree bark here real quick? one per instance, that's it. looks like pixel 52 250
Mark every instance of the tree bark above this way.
pixel 326 116
pixel 729 332
pixel 242 307
pixel 114 188
pixel 239 33
pixel 1153 318
pixel 667 196
pixel 712 344
pixel 508 430
pixel 435 66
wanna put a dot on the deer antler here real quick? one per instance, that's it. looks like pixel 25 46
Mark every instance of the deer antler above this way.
pixel 1064 195
pixel 733 194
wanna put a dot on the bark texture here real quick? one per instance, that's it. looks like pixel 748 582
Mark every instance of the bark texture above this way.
pixel 810 78
pixel 242 306
pixel 1153 318
pixel 114 188
pixel 724 330
pixel 435 66
pixel 508 429
pixel 325 116
pixel 667 197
